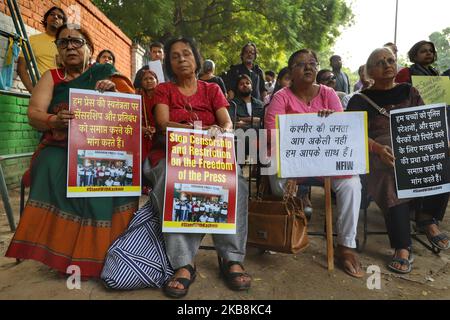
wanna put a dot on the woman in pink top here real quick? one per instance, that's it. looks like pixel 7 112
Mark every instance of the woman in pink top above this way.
pixel 305 96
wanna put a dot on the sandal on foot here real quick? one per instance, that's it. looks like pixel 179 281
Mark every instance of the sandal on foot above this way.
pixel 174 292
pixel 436 240
pixel 350 257
pixel 402 262
pixel 231 278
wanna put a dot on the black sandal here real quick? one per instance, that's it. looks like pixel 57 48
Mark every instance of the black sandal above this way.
pixel 173 292
pixel 231 277
pixel 402 262
pixel 434 240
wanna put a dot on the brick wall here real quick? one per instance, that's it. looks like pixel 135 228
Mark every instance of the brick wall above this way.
pixel 16 136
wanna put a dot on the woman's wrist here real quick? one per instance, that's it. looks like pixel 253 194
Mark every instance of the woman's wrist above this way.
pixel 375 147
pixel 48 121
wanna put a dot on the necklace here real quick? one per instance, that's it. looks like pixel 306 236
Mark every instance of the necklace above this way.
pixel 65 75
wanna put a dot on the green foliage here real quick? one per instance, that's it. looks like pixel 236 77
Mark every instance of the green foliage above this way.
pixel 221 28
pixel 441 41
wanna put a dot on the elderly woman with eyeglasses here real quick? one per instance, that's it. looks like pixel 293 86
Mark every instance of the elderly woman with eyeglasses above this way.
pixel 179 104
pixel 381 67
pixel 422 54
pixel 304 95
pixel 54 229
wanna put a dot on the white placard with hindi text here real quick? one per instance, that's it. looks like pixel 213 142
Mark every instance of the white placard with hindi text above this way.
pixel 313 146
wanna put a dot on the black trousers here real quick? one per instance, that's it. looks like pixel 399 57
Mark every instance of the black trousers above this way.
pixel 427 210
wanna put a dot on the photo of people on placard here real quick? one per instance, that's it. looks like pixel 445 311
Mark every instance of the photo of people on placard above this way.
pixel 211 206
pixel 94 168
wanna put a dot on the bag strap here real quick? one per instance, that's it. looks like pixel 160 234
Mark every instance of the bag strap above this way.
pixel 373 104
pixel 290 189
pixel 263 184
pixel 294 206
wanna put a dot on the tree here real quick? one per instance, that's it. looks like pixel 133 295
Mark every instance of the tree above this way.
pixel 222 27
pixel 441 41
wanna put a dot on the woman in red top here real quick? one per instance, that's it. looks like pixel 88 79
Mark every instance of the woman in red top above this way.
pixel 179 104
pixel 423 54
pixel 148 80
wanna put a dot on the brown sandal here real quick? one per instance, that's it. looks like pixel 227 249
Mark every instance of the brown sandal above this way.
pixel 231 278
pixel 346 258
pixel 173 292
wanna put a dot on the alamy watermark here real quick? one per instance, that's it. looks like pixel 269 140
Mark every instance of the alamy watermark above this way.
pixel 253 146
pixel 374 280
pixel 74 280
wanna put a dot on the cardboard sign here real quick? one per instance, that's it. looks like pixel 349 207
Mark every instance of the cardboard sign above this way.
pixel 104 144
pixel 313 146
pixel 420 146
pixel 201 183
pixel 157 68
pixel 433 89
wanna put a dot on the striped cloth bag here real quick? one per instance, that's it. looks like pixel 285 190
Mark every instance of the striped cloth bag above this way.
pixel 137 259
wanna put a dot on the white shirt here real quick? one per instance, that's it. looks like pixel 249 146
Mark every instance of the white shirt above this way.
pixel 249 108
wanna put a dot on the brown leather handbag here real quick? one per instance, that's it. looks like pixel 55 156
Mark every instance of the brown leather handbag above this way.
pixel 277 224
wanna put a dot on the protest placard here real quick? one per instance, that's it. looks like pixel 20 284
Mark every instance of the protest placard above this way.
pixel 433 89
pixel 313 146
pixel 156 67
pixel 201 183
pixel 104 144
pixel 420 145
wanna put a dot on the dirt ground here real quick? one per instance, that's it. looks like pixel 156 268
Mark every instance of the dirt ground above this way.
pixel 276 276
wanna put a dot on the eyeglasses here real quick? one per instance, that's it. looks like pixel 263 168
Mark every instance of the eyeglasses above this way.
pixel 385 62
pixel 63 43
pixel 55 15
pixel 302 65
pixel 193 117
pixel 329 79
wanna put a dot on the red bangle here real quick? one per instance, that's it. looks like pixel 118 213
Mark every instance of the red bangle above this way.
pixel 47 122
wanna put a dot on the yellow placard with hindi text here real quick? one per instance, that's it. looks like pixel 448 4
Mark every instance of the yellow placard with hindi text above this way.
pixel 433 89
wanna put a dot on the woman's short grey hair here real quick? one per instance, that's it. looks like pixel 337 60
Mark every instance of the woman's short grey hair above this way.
pixel 208 66
pixel 371 60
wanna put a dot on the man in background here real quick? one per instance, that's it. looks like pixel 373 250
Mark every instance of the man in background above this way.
pixel 249 54
pixel 157 51
pixel 342 80
pixel 43 46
